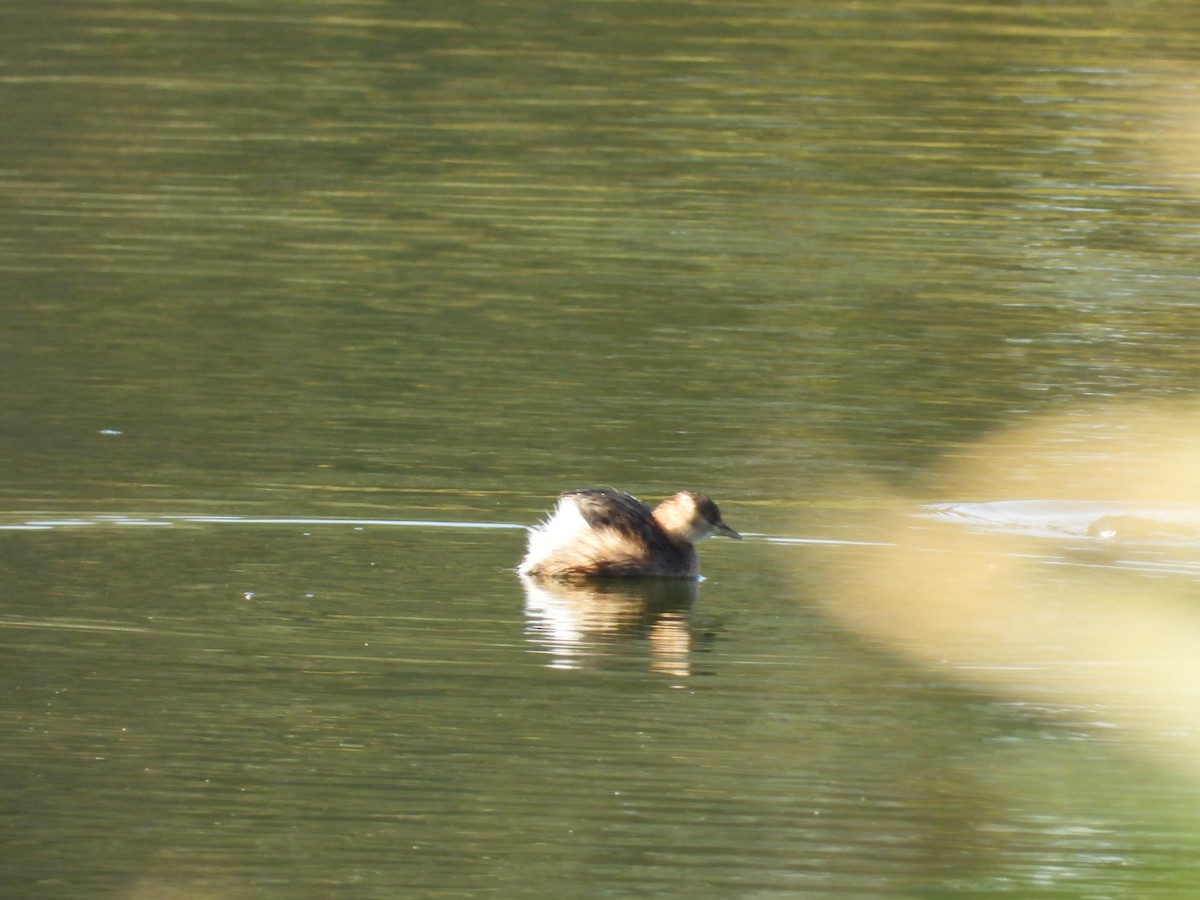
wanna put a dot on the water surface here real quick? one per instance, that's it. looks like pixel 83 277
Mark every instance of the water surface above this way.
pixel 307 307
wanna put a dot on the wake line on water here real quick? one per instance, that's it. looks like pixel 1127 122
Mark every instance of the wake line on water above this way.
pixel 167 521
pixel 1040 519
pixel 118 520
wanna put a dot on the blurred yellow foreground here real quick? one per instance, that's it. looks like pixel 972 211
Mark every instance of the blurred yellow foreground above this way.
pixel 1064 628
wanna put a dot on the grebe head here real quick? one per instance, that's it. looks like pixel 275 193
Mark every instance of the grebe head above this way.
pixel 691 516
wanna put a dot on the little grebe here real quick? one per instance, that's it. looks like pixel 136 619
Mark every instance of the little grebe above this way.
pixel 607 532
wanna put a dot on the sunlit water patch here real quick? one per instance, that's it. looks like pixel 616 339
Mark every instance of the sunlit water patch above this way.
pixel 1107 519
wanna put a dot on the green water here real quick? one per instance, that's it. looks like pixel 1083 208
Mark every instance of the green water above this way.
pixel 416 262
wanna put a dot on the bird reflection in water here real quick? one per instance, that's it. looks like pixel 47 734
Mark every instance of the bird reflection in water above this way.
pixel 580 622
